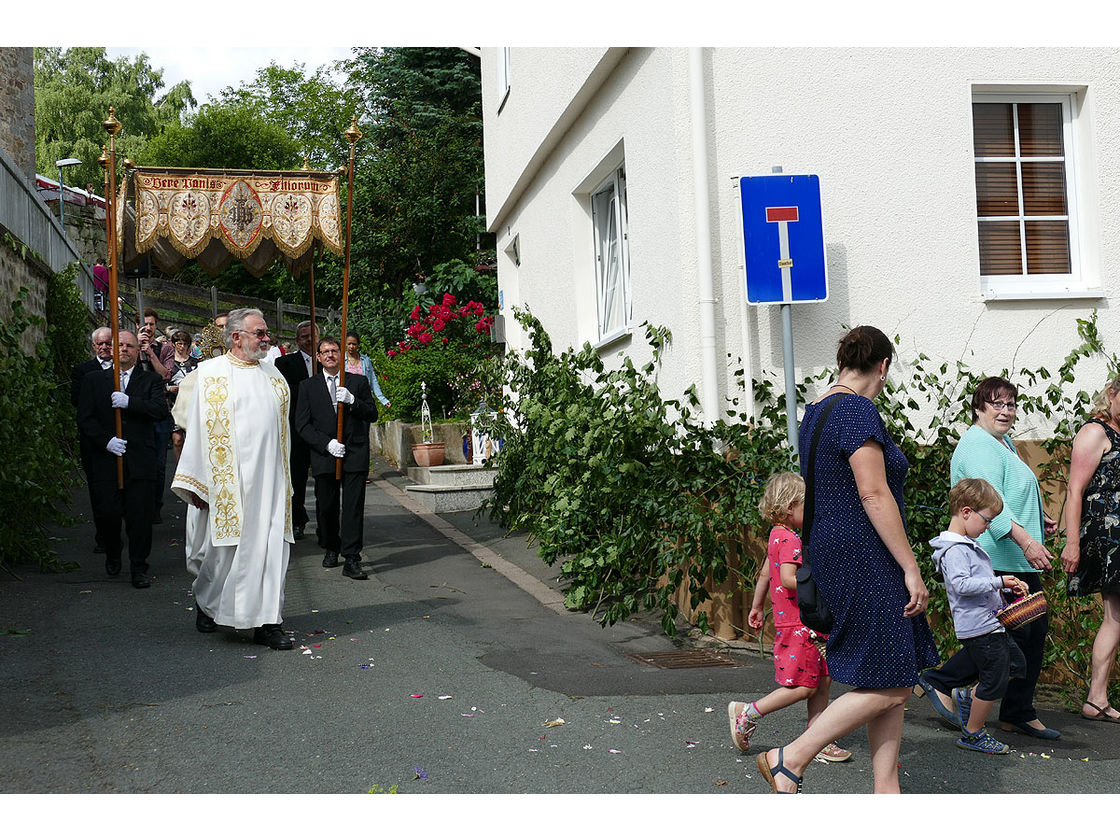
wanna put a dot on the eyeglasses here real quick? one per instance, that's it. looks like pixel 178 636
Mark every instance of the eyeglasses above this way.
pixel 257 333
pixel 1000 406
pixel 982 516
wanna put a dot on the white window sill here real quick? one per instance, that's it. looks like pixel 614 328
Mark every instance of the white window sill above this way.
pixel 614 338
pixel 992 296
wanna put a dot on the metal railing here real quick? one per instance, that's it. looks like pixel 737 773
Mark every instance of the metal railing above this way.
pixel 27 217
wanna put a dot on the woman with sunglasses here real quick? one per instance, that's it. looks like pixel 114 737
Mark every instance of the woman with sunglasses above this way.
pixel 1014 541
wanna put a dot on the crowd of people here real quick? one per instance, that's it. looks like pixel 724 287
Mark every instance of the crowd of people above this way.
pixel 243 428
pixel 851 509
pixel 250 431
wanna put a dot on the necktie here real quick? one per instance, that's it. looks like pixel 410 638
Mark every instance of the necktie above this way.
pixel 124 380
pixel 307 361
pixel 334 393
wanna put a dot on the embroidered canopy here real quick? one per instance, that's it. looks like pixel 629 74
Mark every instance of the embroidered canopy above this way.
pixel 217 216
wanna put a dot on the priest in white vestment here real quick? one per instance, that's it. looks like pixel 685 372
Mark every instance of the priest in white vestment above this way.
pixel 234 468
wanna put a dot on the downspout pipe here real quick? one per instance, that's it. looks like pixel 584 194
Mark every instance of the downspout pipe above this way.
pixel 709 390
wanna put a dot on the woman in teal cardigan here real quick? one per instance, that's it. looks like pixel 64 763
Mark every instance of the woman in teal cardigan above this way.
pixel 1014 541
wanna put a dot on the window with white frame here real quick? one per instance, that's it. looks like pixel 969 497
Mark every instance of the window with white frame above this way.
pixel 612 257
pixel 1025 201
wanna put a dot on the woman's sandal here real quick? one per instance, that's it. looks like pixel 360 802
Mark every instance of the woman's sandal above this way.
pixel 1102 714
pixel 768 772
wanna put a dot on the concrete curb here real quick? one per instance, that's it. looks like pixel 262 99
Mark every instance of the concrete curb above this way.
pixel 547 596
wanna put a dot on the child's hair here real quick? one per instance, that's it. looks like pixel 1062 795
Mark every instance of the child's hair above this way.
pixel 782 490
pixel 975 493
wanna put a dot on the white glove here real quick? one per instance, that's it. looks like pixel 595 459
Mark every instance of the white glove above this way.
pixel 336 449
pixel 119 399
pixel 116 446
pixel 343 395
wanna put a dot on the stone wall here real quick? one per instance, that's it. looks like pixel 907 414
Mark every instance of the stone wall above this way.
pixel 394 440
pixel 17 107
pixel 15 271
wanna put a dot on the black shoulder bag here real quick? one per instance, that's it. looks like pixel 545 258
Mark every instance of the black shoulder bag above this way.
pixel 815 613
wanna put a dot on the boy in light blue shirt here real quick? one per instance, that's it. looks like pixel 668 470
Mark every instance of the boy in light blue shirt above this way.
pixel 974 598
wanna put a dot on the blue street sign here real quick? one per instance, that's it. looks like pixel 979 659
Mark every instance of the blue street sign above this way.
pixel 783 239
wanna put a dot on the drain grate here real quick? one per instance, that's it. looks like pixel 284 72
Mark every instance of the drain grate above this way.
pixel 674 659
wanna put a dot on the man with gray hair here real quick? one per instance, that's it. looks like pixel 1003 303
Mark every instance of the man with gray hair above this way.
pixel 234 467
pixel 295 368
pixel 101 340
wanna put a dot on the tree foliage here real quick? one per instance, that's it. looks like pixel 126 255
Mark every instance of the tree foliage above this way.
pixel 74 89
pixel 418 172
pixel 312 109
pixel 224 136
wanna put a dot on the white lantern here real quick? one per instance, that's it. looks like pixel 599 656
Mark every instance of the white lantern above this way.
pixel 482 447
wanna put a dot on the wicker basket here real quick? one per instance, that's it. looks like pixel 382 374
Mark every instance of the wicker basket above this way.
pixel 1023 611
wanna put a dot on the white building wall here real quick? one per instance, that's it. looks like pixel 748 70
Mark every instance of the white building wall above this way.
pixel 889 133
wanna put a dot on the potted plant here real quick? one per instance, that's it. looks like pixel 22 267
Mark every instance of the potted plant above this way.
pixel 429 453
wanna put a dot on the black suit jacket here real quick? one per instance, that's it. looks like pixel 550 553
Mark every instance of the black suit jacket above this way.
pixel 77 374
pixel 147 403
pixel 317 423
pixel 294 370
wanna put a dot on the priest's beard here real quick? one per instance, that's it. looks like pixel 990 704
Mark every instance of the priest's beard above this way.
pixel 258 355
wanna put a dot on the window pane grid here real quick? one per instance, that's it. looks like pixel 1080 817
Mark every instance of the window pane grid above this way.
pixel 1022 210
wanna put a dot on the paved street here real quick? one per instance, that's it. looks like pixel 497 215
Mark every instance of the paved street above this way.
pixel 440 674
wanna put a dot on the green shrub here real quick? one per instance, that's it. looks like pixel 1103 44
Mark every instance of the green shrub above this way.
pixel 636 495
pixel 447 348
pixel 37 434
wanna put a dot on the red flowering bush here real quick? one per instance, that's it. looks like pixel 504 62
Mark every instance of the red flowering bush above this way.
pixel 447 347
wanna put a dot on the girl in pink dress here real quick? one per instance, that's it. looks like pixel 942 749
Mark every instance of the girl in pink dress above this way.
pixel 799 668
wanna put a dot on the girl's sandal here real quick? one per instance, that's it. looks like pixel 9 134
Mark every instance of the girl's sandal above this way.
pixel 768 772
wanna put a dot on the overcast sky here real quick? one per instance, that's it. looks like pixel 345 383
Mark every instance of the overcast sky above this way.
pixel 209 69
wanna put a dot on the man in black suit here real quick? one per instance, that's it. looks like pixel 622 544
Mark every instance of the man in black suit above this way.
pixel 142 403
pixel 317 423
pixel 295 368
pixel 102 342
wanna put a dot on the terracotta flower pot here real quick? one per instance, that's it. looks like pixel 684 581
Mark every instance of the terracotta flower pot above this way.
pixel 428 454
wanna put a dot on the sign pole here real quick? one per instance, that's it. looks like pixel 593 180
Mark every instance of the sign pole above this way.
pixel 791 385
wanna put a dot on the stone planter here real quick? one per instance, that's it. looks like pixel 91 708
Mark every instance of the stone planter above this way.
pixel 428 454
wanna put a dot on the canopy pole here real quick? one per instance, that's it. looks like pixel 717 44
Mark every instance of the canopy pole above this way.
pixel 353 134
pixel 311 287
pixel 109 162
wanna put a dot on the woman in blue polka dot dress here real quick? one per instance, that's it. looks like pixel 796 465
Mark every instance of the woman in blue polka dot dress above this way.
pixel 865 570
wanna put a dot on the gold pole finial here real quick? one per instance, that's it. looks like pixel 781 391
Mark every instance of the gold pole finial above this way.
pixel 353 134
pixel 128 164
pixel 306 166
pixel 112 124
pixel 104 159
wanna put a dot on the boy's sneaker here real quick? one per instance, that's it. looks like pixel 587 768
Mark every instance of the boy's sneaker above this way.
pixel 962 700
pixel 742 727
pixel 982 742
